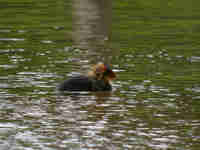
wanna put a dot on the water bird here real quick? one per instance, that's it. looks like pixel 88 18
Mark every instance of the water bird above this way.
pixel 98 79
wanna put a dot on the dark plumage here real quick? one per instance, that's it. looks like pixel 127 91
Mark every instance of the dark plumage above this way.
pixel 97 80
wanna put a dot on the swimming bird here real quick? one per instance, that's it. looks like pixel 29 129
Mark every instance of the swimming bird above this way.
pixel 98 79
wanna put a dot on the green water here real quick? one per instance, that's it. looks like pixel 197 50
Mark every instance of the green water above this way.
pixel 153 47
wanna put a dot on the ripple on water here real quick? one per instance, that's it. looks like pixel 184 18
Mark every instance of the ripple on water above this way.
pixel 8 66
pixel 194 89
pixel 11 39
pixel 195 59
pixel 139 87
pixel 157 89
pixel 7 51
pixel 47 42
pixel 5 30
pixel 4 85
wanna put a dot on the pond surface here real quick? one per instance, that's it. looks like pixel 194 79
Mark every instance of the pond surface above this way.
pixel 153 48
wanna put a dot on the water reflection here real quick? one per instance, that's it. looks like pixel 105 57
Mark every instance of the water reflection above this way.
pixel 92 27
pixel 92 22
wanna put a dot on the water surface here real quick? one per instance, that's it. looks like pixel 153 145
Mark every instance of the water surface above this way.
pixel 152 46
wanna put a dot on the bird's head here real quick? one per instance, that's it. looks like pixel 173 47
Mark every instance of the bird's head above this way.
pixel 103 71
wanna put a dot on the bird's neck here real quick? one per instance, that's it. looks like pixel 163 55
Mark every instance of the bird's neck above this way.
pixel 95 76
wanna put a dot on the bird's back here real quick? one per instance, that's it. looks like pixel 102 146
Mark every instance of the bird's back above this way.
pixel 78 83
pixel 84 83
